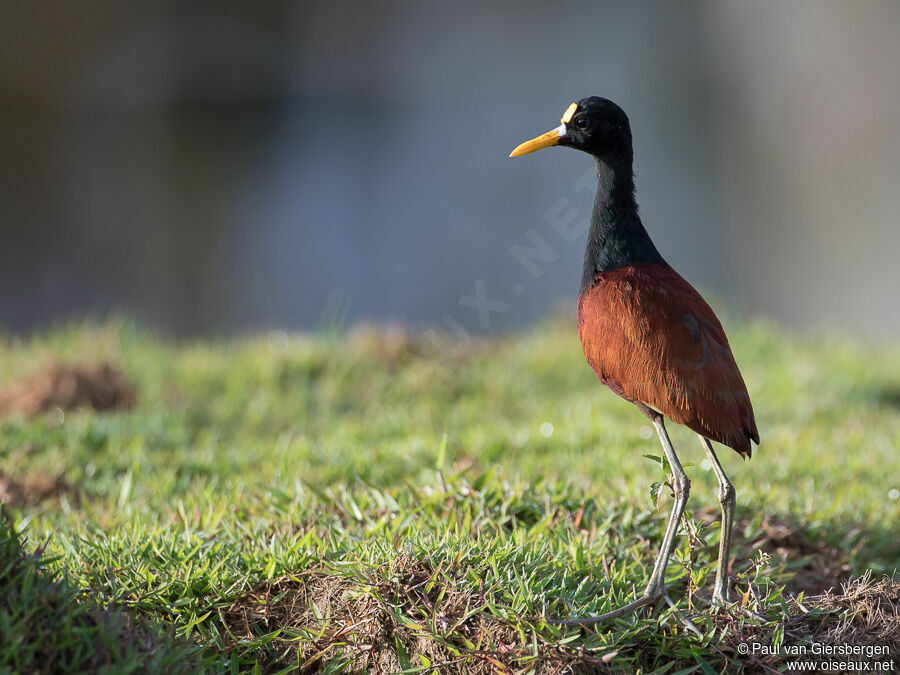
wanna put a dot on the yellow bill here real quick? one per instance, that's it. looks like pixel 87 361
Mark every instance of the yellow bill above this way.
pixel 548 139
pixel 542 141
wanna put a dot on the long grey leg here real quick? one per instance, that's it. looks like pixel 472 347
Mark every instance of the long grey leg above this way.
pixel 682 488
pixel 656 587
pixel 727 500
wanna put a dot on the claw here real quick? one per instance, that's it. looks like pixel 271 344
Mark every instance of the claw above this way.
pixel 730 606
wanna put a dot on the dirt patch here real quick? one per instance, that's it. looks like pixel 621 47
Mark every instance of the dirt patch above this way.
pixel 31 490
pixel 386 626
pixel 864 615
pixel 393 345
pixel 68 386
pixel 383 626
pixel 869 614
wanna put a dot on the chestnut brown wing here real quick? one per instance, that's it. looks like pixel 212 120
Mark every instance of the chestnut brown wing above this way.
pixel 651 337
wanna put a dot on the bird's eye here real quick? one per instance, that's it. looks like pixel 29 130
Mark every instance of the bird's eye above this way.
pixel 581 123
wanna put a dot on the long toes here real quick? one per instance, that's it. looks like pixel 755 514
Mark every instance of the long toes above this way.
pixel 731 606
pixel 632 606
pixel 716 602
pixel 686 622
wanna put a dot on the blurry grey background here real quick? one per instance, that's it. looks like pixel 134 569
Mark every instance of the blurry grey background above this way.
pixel 219 167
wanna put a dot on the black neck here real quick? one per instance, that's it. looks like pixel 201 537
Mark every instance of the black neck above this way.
pixel 617 237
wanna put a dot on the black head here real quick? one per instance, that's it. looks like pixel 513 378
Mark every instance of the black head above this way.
pixel 598 127
pixel 594 125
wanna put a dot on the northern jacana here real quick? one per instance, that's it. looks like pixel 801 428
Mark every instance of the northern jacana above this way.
pixel 646 332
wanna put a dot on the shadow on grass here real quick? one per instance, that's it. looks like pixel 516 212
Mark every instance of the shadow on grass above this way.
pixel 889 396
pixel 47 626
pixel 815 558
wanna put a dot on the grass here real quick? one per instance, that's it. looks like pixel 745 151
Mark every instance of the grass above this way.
pixel 381 501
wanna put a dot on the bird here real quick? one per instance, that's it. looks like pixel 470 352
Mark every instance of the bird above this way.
pixel 649 335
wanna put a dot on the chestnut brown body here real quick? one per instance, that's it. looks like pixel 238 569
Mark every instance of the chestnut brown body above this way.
pixel 654 341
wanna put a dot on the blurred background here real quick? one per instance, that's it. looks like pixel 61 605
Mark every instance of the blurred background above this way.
pixel 222 167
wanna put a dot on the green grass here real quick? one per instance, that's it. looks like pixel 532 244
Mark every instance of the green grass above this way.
pixel 377 500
